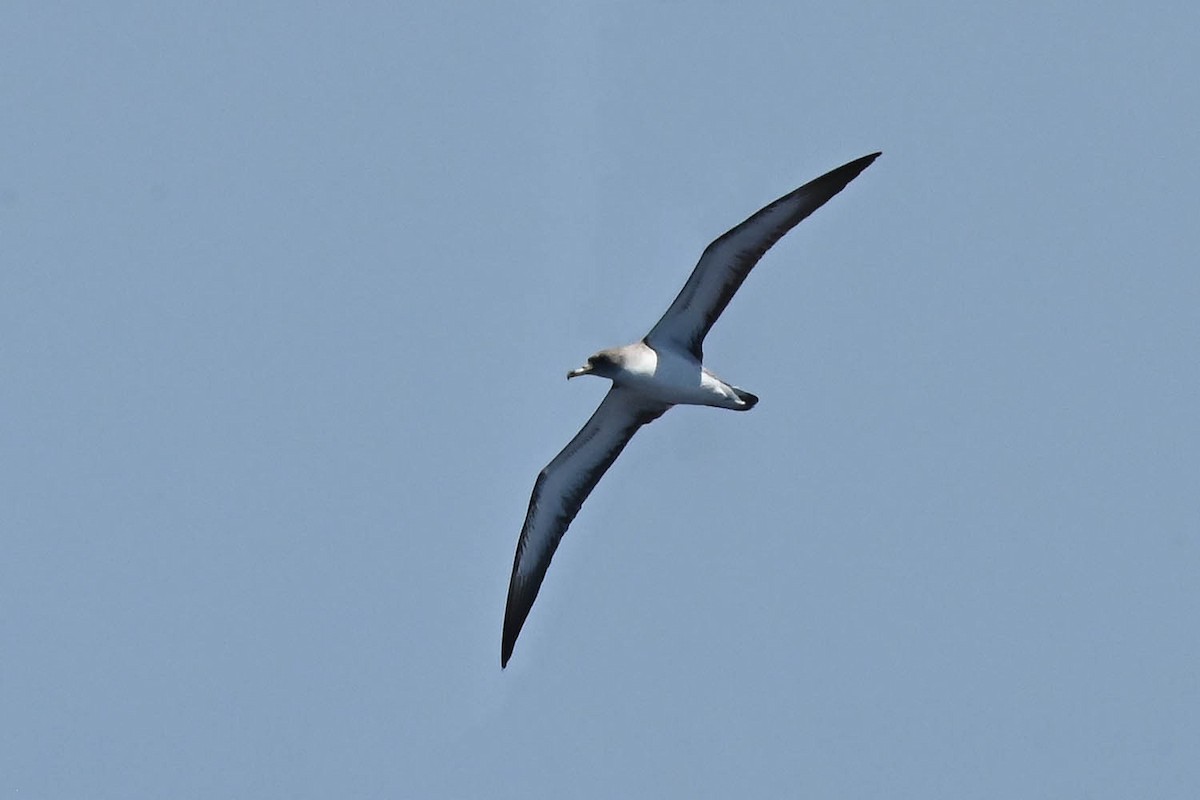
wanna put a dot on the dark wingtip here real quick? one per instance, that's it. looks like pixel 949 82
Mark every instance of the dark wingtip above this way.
pixel 835 180
pixel 506 647
pixel 849 171
pixel 514 620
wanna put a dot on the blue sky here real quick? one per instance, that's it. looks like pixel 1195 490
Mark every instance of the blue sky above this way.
pixel 287 299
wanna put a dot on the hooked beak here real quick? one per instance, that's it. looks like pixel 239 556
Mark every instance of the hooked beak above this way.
pixel 575 373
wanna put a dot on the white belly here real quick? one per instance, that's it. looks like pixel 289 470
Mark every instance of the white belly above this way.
pixel 674 378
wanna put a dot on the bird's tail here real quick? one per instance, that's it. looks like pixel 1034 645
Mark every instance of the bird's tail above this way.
pixel 749 399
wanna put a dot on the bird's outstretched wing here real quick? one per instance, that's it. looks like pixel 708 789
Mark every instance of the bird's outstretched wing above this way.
pixel 559 492
pixel 728 260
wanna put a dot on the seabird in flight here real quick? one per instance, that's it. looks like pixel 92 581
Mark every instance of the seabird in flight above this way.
pixel 662 370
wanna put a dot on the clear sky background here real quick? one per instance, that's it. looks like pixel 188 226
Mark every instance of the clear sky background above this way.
pixel 287 298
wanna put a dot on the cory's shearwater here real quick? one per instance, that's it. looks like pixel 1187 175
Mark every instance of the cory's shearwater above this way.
pixel 664 369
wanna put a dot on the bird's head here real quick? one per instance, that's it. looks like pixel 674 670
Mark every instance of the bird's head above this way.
pixel 604 364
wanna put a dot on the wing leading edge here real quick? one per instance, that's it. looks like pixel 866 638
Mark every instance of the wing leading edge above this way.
pixel 727 261
pixel 559 493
